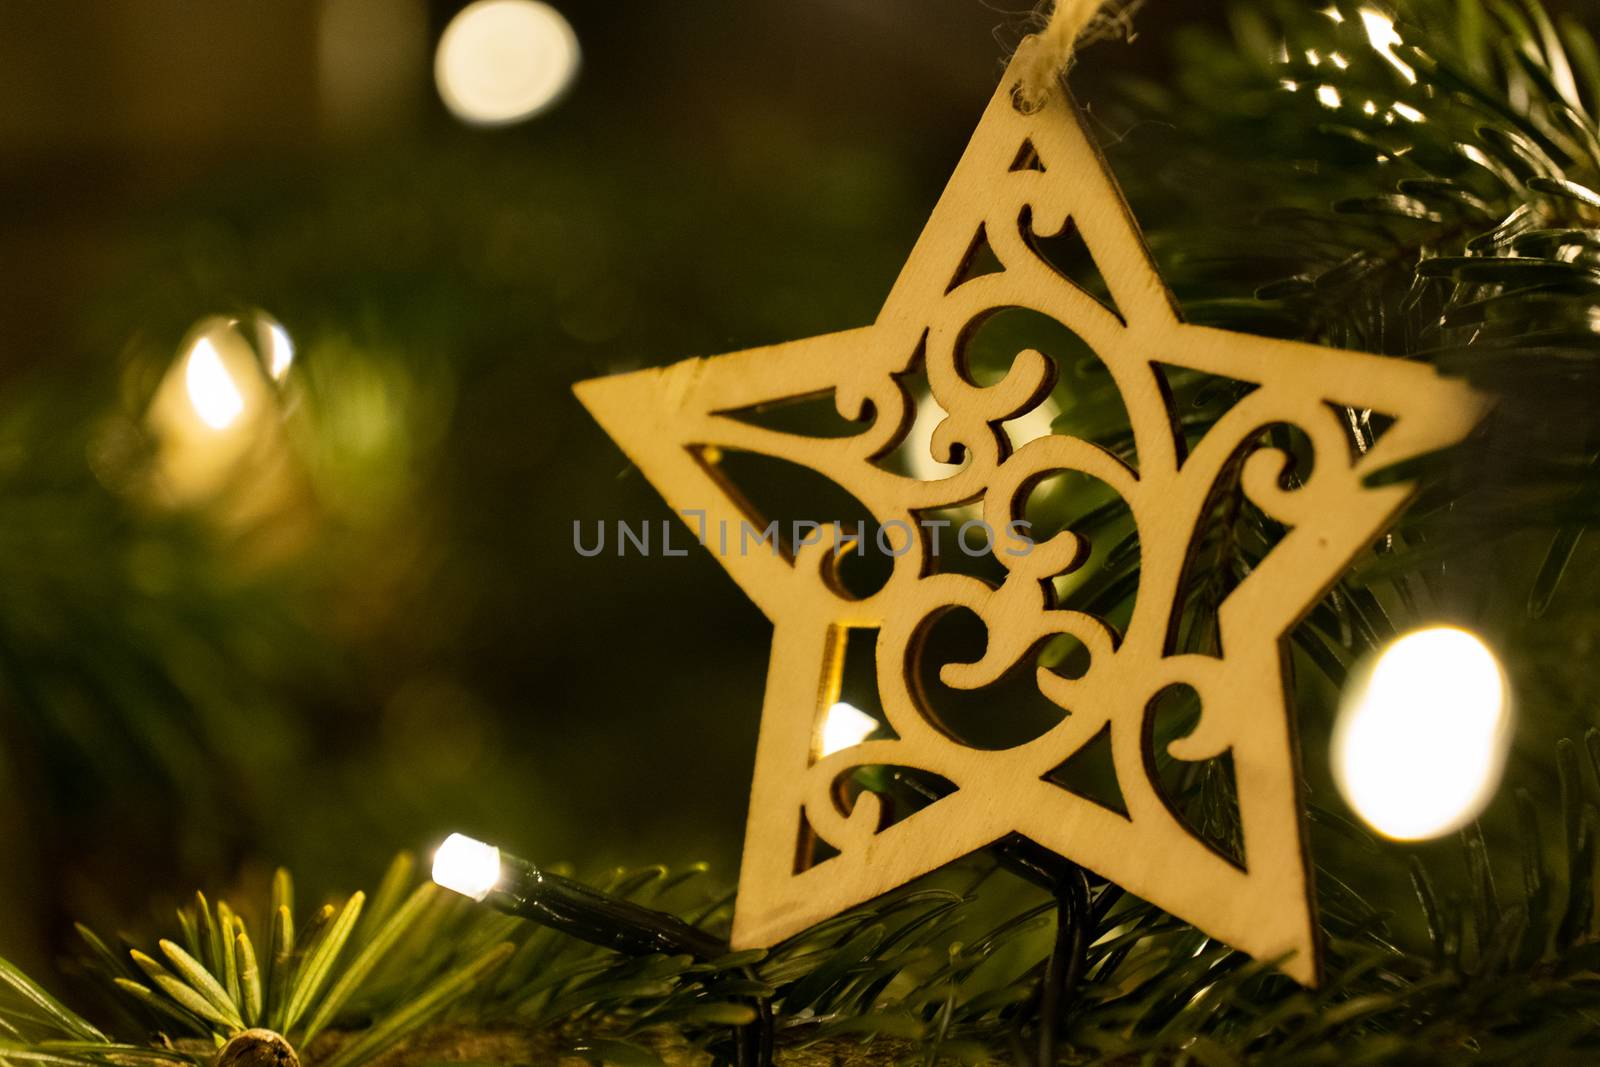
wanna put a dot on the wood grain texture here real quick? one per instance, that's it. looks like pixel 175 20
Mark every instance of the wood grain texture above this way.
pixel 1036 173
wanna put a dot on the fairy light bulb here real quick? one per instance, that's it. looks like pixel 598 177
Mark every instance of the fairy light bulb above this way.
pixel 845 727
pixel 1421 738
pixel 503 61
pixel 280 351
pixel 466 866
pixel 512 886
pixel 217 413
pixel 212 390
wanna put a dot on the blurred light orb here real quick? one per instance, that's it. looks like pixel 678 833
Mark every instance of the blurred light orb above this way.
pixel 1422 735
pixel 466 866
pixel 503 61
pixel 212 390
pixel 845 727
pixel 280 349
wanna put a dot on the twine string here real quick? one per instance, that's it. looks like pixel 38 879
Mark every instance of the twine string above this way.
pixel 1071 22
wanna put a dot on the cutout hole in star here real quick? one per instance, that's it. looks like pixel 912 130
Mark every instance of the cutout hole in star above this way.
pixel 1196 400
pixel 1105 582
pixel 1065 656
pixel 1232 538
pixel 1008 713
pixel 1091 773
pixel 816 415
pixel 786 507
pixel 1068 254
pixel 1201 794
pixel 914 455
pixel 1027 158
pixel 956 540
pixel 1363 428
pixel 978 261
pixel 1083 401
pixel 854 716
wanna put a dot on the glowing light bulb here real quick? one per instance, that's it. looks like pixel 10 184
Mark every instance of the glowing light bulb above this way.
pixel 466 866
pixel 1421 739
pixel 845 727
pixel 502 61
pixel 280 351
pixel 1382 35
pixel 212 390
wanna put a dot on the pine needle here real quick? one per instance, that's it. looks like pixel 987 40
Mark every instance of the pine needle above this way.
pixel 226 921
pixel 249 977
pixel 210 937
pixel 160 1005
pixel 202 981
pixel 186 997
pixel 319 964
pixel 391 892
pixel 281 962
pixel 368 958
pixel 56 1013
pixel 422 1010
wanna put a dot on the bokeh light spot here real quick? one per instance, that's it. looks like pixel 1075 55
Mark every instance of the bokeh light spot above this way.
pixel 503 61
pixel 212 390
pixel 845 727
pixel 1421 738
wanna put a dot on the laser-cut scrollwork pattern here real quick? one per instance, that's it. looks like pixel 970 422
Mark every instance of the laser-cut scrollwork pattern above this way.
pixel 1026 177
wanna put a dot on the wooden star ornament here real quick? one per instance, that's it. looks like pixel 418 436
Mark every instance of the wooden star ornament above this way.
pixel 1024 177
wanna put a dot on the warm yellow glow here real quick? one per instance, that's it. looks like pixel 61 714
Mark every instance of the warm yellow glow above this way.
pixel 1029 426
pixel 1289 84
pixel 1407 112
pixel 1338 59
pixel 502 61
pixel 1370 107
pixel 1032 425
pixel 1328 96
pixel 845 727
pixel 919 443
pixel 1313 57
pixel 1421 739
pixel 212 390
pixel 280 351
pixel 1383 37
pixel 466 866
pixel 1334 13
